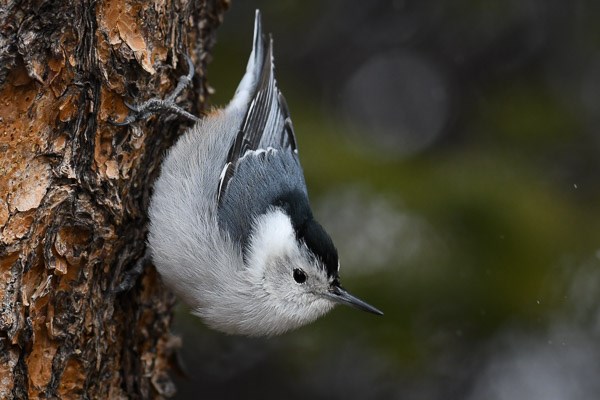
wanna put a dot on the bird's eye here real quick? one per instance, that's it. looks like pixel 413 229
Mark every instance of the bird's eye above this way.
pixel 299 275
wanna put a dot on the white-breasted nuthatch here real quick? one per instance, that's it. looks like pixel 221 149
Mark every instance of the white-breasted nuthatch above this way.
pixel 231 228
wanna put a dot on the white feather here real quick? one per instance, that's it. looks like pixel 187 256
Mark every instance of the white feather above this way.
pixel 273 237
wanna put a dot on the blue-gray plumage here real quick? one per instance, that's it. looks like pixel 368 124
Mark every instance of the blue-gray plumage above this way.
pixel 270 173
pixel 231 228
pixel 264 159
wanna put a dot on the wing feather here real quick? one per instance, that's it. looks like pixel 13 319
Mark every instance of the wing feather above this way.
pixel 267 123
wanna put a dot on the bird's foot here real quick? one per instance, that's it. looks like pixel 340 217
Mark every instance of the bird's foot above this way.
pixel 166 105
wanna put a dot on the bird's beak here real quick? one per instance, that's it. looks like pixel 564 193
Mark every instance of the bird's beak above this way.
pixel 340 295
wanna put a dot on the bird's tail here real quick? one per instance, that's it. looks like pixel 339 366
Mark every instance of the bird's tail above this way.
pixel 266 121
pixel 250 82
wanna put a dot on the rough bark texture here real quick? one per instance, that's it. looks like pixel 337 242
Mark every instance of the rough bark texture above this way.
pixel 74 190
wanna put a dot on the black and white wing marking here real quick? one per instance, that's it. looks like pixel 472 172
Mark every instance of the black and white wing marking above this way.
pixel 262 163
pixel 267 123
pixel 262 169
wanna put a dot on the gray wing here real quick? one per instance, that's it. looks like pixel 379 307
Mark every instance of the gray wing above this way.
pixel 267 123
pixel 262 164
pixel 262 179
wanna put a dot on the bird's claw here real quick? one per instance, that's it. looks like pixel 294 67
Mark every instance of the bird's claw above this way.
pixel 131 107
pixel 155 105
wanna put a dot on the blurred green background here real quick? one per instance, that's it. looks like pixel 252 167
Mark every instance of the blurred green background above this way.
pixel 452 151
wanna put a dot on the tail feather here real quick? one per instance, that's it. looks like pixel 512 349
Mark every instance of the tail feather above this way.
pixel 266 123
pixel 247 85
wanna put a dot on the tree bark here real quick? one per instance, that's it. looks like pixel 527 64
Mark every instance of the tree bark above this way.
pixel 74 190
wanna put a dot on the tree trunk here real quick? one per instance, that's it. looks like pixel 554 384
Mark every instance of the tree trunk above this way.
pixel 74 190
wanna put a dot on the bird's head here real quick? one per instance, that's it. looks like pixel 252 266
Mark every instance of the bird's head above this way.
pixel 294 263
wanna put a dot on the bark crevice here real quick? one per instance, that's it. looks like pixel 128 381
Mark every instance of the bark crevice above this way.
pixel 74 190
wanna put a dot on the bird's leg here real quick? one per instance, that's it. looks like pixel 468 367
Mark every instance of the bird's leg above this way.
pixel 131 276
pixel 166 105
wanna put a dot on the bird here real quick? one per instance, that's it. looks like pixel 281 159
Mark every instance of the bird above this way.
pixel 231 230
